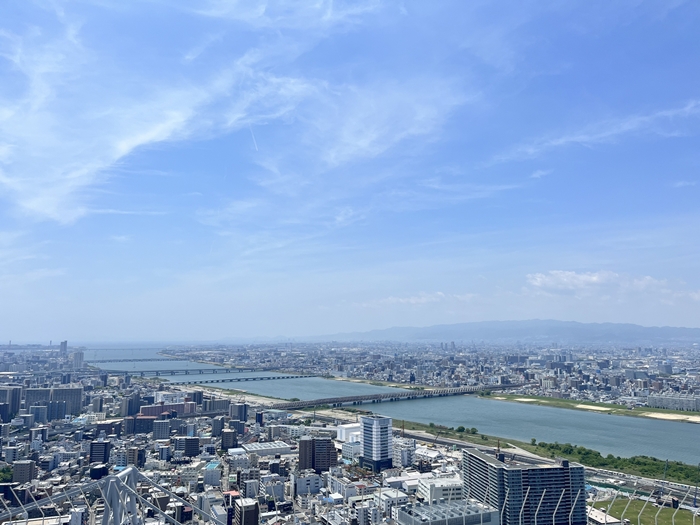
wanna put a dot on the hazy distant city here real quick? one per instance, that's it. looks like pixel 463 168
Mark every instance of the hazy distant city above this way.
pixel 194 434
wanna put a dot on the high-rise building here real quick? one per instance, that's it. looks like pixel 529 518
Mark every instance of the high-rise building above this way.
pixel 64 347
pixel 36 396
pixel 518 490
pixel 238 426
pixel 99 451
pixel 161 429
pixel 11 454
pixel 216 405
pixel 56 410
pixel 317 453
pixel 306 453
pixel 40 413
pixel 131 405
pixel 136 456
pixel 247 512
pixel 229 439
pixel 78 360
pixel 217 425
pixel 5 412
pixel 238 411
pixel 191 446
pixel 72 396
pixel 12 395
pixel 23 471
pixel 377 450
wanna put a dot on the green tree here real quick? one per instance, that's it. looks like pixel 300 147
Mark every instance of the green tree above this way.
pixel 473 430
pixel 431 425
pixel 533 442
pixel 5 474
pixel 460 428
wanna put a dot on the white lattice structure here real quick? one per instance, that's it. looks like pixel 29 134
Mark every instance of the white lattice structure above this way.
pixel 116 501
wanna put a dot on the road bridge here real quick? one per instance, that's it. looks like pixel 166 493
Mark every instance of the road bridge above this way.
pixel 237 379
pixel 399 395
pixel 186 371
pixel 144 360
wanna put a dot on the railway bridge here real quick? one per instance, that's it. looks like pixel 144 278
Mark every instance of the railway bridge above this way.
pixel 400 395
pixel 237 379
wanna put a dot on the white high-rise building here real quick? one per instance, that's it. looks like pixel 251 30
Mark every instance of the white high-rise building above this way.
pixel 377 449
pixel 78 360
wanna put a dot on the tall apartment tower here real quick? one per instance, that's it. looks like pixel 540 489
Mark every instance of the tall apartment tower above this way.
pixel 317 453
pixel 23 471
pixel 12 395
pixel 377 449
pixel 161 429
pixel 306 453
pixel 99 451
pixel 78 357
pixel 526 494
pixel 229 439
pixel 64 347
pixel 36 396
pixel 238 411
pixel 56 410
pixel 246 512
pixel 72 396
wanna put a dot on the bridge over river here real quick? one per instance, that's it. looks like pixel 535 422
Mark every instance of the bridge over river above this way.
pixel 136 360
pixel 237 379
pixel 399 395
pixel 186 372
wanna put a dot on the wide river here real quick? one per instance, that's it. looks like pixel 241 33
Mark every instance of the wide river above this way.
pixel 617 435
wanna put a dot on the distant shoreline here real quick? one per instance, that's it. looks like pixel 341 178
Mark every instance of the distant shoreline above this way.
pixel 601 408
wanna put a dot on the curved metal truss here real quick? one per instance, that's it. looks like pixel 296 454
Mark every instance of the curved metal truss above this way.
pixel 122 502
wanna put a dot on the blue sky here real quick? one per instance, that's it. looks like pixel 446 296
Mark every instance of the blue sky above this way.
pixel 178 170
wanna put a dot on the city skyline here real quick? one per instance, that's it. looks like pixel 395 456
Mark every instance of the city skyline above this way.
pixel 170 172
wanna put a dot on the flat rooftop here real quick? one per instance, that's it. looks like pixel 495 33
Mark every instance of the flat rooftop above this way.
pixel 510 462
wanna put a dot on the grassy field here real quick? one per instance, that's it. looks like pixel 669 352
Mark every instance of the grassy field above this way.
pixel 683 517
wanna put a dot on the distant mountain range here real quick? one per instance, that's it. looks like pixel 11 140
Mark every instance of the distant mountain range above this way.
pixel 532 331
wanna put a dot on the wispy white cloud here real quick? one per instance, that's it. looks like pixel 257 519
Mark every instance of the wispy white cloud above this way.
pixel 365 122
pixel 604 132
pixel 684 183
pixel 571 281
pixel 197 50
pixel 281 14
pixel 121 238
pixel 422 298
pixel 603 282
pixel 59 140
pixel 538 174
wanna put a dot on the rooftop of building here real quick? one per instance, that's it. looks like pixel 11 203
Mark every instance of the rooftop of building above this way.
pixel 447 510
pixel 509 460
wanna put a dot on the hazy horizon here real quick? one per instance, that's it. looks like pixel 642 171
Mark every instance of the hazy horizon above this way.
pixel 227 170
